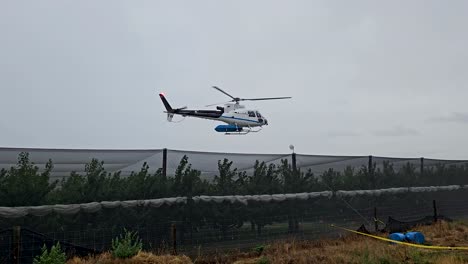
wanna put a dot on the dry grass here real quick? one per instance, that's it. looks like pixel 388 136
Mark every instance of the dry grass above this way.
pixel 142 257
pixel 350 249
pixel 358 249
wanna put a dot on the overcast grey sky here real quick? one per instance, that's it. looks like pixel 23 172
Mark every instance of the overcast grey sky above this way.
pixel 385 78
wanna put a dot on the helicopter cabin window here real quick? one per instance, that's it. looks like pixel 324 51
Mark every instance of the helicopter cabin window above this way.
pixel 251 114
pixel 258 114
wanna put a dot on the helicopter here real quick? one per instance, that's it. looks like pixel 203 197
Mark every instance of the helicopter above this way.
pixel 240 121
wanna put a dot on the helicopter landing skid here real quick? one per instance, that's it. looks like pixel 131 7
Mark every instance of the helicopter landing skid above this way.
pixel 243 132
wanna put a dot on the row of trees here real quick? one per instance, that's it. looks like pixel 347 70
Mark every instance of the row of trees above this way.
pixel 24 185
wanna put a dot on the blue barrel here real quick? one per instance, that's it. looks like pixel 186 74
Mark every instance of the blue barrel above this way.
pixel 415 237
pixel 397 237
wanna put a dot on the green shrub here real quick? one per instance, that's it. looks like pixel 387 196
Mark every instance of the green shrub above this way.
pixel 418 257
pixel 54 256
pixel 263 260
pixel 259 249
pixel 126 245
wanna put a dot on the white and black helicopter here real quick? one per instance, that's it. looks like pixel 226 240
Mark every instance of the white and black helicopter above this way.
pixel 240 121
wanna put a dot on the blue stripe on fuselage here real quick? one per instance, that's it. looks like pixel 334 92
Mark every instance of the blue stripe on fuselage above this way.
pixel 241 119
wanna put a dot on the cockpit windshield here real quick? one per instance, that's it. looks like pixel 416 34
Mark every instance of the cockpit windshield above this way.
pixel 258 114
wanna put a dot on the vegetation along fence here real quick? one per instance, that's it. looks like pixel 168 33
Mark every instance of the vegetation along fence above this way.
pixel 84 202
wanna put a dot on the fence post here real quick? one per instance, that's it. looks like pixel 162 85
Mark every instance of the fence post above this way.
pixel 421 169
pixel 434 205
pixel 174 238
pixel 376 222
pixel 16 244
pixel 293 226
pixel 371 171
pixel 294 165
pixel 164 163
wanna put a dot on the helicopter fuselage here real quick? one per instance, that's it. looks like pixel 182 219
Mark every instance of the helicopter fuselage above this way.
pixel 231 114
pixel 242 118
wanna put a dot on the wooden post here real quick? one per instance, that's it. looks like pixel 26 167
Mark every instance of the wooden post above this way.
pixel 292 223
pixel 16 244
pixel 370 169
pixel 174 239
pixel 434 205
pixel 376 222
pixel 294 164
pixel 421 169
pixel 164 163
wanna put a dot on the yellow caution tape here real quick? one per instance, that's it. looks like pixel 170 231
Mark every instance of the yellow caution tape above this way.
pixel 402 243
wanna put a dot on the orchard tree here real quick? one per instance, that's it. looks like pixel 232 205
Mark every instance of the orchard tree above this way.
pixel 225 182
pixel 24 185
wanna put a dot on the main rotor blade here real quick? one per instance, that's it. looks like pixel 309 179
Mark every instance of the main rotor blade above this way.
pixel 219 89
pixel 259 99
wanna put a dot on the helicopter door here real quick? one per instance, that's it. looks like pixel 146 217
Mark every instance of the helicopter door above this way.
pixel 259 116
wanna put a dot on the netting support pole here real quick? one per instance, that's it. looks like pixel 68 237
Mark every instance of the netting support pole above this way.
pixel 164 163
pixel 174 238
pixel 371 172
pixel 434 205
pixel 376 223
pixel 16 244
pixel 294 165
pixel 421 169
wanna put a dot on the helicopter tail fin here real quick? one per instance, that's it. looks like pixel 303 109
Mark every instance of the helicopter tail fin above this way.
pixel 166 103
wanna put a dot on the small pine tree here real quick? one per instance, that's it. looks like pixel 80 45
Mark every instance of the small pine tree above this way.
pixel 54 256
pixel 126 245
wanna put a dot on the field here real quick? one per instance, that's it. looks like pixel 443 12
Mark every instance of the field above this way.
pixel 348 249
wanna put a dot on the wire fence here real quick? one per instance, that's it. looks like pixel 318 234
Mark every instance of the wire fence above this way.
pixel 20 244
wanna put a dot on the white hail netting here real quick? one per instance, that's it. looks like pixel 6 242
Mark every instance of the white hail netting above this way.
pixel 73 160
pixel 66 160
pixel 70 209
